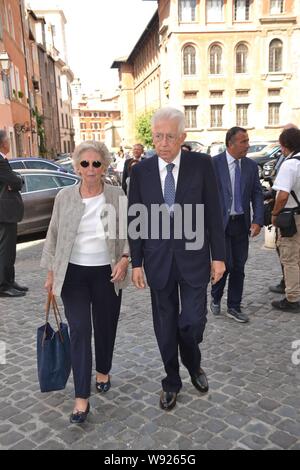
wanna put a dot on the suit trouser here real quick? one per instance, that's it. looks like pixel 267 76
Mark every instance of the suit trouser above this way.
pixel 8 244
pixel 175 329
pixel 89 296
pixel 290 258
pixel 237 247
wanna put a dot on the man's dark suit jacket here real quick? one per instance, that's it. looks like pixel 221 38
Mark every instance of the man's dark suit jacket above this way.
pixel 11 204
pixel 196 185
pixel 126 173
pixel 251 189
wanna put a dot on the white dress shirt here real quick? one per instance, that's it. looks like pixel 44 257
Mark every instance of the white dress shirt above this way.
pixel 163 170
pixel 231 166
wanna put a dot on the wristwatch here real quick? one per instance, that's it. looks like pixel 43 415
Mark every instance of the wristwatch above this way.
pixel 128 257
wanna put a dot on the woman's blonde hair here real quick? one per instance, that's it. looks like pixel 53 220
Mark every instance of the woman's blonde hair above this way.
pixel 98 147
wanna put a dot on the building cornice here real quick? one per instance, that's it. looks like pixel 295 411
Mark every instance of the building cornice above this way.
pixel 278 20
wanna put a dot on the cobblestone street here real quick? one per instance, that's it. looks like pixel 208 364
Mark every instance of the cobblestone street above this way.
pixel 254 397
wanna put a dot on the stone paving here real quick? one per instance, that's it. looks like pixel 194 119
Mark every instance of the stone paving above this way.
pixel 254 397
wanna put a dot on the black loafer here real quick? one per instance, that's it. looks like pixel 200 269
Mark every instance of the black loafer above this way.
pixel 167 400
pixel 19 288
pixel 11 292
pixel 103 387
pixel 79 417
pixel 200 381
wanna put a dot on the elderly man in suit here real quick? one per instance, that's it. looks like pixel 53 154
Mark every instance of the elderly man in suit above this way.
pixel 11 212
pixel 240 187
pixel 178 268
pixel 138 150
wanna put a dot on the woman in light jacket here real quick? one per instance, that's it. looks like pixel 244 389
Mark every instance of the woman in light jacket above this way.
pixel 87 260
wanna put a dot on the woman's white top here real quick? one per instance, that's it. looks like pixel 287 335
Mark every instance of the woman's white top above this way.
pixel 90 247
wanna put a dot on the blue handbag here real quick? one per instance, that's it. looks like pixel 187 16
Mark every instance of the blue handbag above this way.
pixel 53 351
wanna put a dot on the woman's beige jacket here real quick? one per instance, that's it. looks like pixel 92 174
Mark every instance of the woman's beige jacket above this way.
pixel 67 213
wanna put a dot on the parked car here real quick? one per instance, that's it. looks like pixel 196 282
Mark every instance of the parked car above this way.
pixel 269 169
pixel 38 194
pixel 215 148
pixel 35 163
pixel 270 152
pixel 260 146
pixel 195 145
pixel 66 164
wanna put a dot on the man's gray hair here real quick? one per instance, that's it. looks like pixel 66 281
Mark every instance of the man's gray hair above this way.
pixel 98 147
pixel 170 114
pixel 3 136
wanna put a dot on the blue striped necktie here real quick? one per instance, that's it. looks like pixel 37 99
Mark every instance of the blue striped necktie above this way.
pixel 169 189
pixel 237 189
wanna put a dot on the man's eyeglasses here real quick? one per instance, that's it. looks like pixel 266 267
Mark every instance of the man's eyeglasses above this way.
pixel 86 164
pixel 170 138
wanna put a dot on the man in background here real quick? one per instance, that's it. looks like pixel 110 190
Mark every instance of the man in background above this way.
pixel 11 212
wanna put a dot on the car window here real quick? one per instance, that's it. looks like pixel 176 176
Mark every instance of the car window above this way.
pixel 39 165
pixel 64 181
pixel 17 165
pixel 41 182
pixel 256 148
pixel 68 166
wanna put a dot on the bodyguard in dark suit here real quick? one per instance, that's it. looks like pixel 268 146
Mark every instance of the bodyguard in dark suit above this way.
pixel 177 266
pixel 240 187
pixel 11 212
pixel 138 150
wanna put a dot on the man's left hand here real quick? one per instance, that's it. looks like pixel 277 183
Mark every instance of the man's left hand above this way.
pixel 255 230
pixel 218 269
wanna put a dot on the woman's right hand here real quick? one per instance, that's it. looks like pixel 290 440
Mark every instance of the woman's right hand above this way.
pixel 49 282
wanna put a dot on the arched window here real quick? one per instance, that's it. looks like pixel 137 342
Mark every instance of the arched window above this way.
pixel 275 55
pixel 215 60
pixel 189 60
pixel 241 58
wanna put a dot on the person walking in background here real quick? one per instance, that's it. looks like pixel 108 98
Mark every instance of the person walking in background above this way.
pixel 176 274
pixel 11 212
pixel 138 150
pixel 87 266
pixel 240 187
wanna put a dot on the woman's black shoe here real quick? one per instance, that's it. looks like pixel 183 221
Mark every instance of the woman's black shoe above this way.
pixel 103 387
pixel 80 416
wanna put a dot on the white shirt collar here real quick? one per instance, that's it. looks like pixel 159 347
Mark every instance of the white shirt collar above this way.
pixel 163 164
pixel 2 155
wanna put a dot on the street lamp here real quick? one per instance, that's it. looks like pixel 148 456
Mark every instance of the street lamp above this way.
pixel 5 61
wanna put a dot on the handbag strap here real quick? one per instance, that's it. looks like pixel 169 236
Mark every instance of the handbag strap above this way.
pixel 51 302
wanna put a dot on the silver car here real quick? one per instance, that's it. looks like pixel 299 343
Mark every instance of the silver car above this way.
pixel 38 194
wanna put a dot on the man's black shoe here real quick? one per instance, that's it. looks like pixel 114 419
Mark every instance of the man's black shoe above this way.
pixel 200 381
pixel 11 292
pixel 167 400
pixel 19 288
pixel 286 306
pixel 278 289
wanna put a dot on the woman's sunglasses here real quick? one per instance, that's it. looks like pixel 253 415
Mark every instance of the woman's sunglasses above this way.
pixel 85 164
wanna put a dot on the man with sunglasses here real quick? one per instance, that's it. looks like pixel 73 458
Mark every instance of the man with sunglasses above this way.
pixel 178 270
